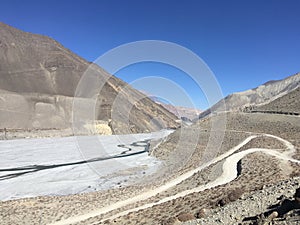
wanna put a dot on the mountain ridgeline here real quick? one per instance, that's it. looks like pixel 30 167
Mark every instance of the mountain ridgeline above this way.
pixel 281 96
pixel 38 81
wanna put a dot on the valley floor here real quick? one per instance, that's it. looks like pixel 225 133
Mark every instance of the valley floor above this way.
pixel 256 151
pixel 73 165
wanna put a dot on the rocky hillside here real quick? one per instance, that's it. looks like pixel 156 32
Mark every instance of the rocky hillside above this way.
pixel 261 95
pixel 289 103
pixel 276 204
pixel 181 112
pixel 38 79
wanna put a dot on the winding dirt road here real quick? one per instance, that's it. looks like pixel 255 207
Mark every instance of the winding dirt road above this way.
pixel 229 173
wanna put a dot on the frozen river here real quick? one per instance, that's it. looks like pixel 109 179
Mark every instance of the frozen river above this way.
pixel 70 165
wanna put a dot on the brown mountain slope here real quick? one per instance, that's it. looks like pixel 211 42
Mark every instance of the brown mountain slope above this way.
pixel 289 103
pixel 38 80
pixel 261 95
pixel 184 113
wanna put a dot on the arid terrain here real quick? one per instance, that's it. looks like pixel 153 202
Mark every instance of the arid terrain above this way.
pixel 237 164
pixel 273 145
pixel 43 86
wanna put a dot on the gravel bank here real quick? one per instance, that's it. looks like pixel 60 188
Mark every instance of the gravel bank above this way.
pixel 250 204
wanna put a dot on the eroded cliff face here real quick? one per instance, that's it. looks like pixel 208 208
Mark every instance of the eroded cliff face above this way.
pixel 264 94
pixel 38 81
pixel 270 91
pixel 288 103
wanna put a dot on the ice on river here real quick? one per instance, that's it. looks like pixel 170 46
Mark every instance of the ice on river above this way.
pixel 56 166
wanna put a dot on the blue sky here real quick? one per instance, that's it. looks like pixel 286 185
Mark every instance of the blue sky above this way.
pixel 245 43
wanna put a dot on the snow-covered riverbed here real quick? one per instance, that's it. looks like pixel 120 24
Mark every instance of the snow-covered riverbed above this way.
pixel 57 166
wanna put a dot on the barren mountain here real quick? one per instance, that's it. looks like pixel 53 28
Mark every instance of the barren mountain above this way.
pixel 38 80
pixel 184 113
pixel 181 112
pixel 246 172
pixel 261 95
pixel 289 103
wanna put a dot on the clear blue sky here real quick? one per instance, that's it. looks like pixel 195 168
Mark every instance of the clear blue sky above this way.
pixel 245 43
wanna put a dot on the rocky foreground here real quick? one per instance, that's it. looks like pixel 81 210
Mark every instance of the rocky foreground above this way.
pixel 273 204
